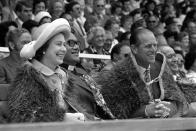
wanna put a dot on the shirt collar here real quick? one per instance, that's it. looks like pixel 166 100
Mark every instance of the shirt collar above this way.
pixel 45 70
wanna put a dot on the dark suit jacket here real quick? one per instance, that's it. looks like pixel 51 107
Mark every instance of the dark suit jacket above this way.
pixel 83 99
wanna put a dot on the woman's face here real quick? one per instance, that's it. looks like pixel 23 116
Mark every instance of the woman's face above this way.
pixel 40 7
pixel 115 30
pixel 56 51
pixel 99 38
pixel 58 8
pixel 185 41
pixel 172 60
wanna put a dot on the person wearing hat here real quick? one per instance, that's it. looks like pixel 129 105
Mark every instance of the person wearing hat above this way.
pixel 39 89
pixel 43 17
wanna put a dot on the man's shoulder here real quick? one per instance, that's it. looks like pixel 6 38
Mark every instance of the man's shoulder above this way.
pixel 5 61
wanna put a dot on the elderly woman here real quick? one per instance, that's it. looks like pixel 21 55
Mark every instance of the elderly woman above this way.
pixel 96 39
pixel 41 87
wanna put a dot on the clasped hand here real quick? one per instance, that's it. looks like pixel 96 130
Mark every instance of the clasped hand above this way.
pixel 158 109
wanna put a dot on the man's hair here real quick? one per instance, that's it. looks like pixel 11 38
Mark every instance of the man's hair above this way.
pixel 135 33
pixel 92 33
pixel 29 24
pixel 116 50
pixel 35 2
pixel 109 23
pixel 21 4
pixel 14 35
pixel 114 6
pixel 69 7
pixel 4 28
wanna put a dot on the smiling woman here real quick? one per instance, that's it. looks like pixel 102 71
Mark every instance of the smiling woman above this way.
pixel 41 85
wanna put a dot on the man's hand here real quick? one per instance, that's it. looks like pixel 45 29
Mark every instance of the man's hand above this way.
pixel 158 109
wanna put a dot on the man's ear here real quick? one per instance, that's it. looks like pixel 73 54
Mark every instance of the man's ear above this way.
pixel 11 45
pixel 134 49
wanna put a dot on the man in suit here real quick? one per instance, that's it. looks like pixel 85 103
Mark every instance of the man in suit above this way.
pixel 142 85
pixel 99 12
pixel 85 97
pixel 74 9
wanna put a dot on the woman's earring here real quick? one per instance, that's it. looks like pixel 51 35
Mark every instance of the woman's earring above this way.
pixel 44 52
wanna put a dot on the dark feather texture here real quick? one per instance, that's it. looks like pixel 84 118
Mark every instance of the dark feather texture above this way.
pixel 30 99
pixel 125 92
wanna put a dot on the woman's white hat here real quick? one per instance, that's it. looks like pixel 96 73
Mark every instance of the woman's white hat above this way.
pixel 42 34
pixel 41 15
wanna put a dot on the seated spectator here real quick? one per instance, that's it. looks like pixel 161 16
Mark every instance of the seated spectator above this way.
pixel 74 10
pixel 5 27
pixel 39 5
pixel 56 8
pixel 171 37
pixel 108 42
pixel 16 39
pixel 84 98
pixel 172 61
pixel 43 17
pixel 98 12
pixel 183 37
pixel 30 25
pixel 124 38
pixel 171 25
pixel 23 11
pixel 96 40
pixel 152 22
pixel 116 11
pixel 119 52
pixel 41 87
pixel 126 23
pixel 134 87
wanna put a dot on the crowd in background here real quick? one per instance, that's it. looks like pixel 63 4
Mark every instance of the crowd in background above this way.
pixel 102 27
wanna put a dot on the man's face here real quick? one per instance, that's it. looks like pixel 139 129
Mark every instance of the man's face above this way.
pixel 25 14
pixel 193 39
pixel 192 28
pixel 23 39
pixel 69 18
pixel 127 6
pixel 99 6
pixel 99 38
pixel 173 27
pixel 152 22
pixel 115 29
pixel 108 41
pixel 124 52
pixel 146 48
pixel 40 7
pixel 76 11
pixel 72 55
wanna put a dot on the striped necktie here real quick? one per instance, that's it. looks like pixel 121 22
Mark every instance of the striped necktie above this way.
pixel 147 79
